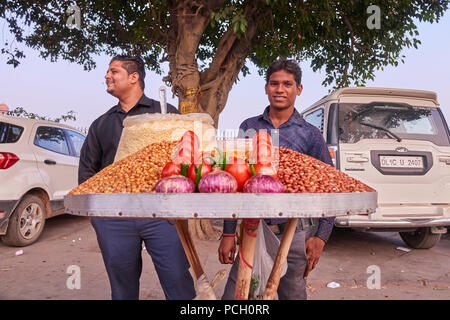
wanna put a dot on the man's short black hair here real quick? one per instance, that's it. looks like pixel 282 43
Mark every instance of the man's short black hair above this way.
pixel 288 65
pixel 132 64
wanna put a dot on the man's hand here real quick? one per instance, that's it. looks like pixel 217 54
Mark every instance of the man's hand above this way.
pixel 314 247
pixel 227 249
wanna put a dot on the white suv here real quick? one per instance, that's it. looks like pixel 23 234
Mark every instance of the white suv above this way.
pixel 396 141
pixel 38 166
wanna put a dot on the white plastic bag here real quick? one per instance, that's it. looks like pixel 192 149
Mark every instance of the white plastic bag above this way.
pixel 144 129
pixel 266 249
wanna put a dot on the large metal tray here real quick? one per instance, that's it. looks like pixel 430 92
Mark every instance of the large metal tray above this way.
pixel 220 206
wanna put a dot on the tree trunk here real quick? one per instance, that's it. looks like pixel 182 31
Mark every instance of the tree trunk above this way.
pixel 207 91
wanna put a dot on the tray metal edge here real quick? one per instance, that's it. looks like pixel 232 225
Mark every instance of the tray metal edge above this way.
pixel 220 206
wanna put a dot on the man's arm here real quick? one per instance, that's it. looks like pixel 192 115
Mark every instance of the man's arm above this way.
pixel 319 150
pixel 325 228
pixel 227 247
pixel 314 245
pixel 90 157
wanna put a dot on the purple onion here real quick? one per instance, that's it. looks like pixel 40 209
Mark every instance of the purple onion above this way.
pixel 262 183
pixel 219 182
pixel 175 184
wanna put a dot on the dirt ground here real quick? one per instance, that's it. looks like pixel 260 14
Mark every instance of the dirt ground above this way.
pixel 349 259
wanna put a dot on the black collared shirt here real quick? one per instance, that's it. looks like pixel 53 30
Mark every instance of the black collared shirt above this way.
pixel 100 147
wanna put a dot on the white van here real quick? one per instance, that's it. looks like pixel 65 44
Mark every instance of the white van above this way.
pixel 396 141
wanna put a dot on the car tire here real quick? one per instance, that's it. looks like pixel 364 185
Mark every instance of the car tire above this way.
pixel 422 238
pixel 26 222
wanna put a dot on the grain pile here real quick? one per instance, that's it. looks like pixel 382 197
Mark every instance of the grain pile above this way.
pixel 144 129
pixel 136 173
pixel 302 173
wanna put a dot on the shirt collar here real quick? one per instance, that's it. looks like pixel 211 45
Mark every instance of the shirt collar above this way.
pixel 143 101
pixel 295 118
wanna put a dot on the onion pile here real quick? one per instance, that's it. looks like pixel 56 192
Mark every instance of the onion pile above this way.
pixel 262 183
pixel 218 182
pixel 175 184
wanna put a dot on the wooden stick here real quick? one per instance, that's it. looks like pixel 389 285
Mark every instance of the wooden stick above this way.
pixel 246 253
pixel 189 247
pixel 280 260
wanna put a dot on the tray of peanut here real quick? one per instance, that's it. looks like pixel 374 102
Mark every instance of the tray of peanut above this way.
pixel 151 183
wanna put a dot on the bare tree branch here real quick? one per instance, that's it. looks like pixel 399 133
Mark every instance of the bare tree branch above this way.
pixel 355 43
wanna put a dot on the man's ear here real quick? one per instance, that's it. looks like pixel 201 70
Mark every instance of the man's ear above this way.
pixel 265 89
pixel 299 89
pixel 134 77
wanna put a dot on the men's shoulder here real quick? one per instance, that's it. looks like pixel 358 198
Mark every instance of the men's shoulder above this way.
pixel 156 105
pixel 251 122
pixel 172 109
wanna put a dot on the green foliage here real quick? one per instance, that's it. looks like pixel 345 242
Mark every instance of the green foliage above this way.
pixel 21 112
pixel 332 34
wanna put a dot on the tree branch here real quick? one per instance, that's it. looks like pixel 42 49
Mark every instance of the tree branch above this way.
pixel 355 43
pixel 158 27
pixel 223 49
pixel 231 64
pixel 230 43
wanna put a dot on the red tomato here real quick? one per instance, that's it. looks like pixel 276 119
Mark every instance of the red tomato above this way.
pixel 188 148
pixel 206 168
pixel 240 170
pixel 262 147
pixel 265 168
pixel 186 153
pixel 263 153
pixel 192 138
pixel 170 169
pixel 262 136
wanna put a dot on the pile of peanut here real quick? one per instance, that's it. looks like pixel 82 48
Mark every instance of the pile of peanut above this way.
pixel 302 173
pixel 136 173
pixel 139 172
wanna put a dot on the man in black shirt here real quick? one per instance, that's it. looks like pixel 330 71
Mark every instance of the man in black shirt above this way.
pixel 120 240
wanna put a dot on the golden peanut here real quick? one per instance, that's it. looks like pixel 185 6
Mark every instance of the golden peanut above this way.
pixel 302 173
pixel 135 173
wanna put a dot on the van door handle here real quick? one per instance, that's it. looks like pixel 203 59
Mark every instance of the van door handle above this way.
pixel 445 160
pixel 47 161
pixel 357 159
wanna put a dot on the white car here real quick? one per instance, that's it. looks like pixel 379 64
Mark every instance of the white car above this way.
pixel 38 167
pixel 396 141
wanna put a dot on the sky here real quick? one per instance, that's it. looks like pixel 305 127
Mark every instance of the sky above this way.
pixel 52 89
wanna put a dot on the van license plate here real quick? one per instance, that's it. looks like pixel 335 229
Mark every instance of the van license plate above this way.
pixel 401 162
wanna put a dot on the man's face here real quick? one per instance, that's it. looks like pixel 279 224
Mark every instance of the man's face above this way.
pixel 117 79
pixel 282 90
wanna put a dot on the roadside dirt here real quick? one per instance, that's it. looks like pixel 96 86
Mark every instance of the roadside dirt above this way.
pixel 41 272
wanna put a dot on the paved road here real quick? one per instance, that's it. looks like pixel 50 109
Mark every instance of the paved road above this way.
pixel 41 272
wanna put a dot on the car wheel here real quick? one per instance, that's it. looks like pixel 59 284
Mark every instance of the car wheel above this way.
pixel 421 238
pixel 26 222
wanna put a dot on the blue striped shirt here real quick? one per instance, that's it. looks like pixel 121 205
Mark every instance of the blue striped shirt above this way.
pixel 298 135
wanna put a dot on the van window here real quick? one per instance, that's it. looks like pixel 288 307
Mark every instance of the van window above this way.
pixel 9 133
pixel 77 141
pixel 52 139
pixel 359 121
pixel 316 119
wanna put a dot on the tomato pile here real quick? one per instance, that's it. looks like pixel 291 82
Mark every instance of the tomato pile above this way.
pixel 195 165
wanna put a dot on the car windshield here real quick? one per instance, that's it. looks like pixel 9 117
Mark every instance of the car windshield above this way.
pixel 9 133
pixel 390 121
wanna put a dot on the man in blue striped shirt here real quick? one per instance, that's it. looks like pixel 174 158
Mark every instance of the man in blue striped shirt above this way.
pixel 283 85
